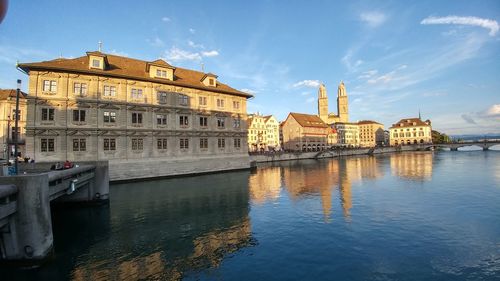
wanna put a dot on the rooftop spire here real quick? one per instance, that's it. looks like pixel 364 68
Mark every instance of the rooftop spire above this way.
pixel 419 117
pixel 100 46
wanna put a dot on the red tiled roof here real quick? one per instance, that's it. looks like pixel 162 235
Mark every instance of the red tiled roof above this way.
pixel 6 93
pixel 363 122
pixel 408 122
pixel 307 120
pixel 123 67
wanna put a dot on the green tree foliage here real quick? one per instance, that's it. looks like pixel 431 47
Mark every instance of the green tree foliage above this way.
pixel 438 137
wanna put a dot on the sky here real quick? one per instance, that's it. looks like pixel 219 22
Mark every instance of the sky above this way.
pixel 396 58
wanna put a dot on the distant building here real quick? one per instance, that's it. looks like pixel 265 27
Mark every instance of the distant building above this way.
pixel 371 133
pixel 305 132
pixel 347 134
pixel 263 133
pixel 342 105
pixel 410 131
pixel 7 123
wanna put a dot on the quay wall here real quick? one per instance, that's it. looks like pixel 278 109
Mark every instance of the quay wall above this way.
pixel 135 169
pixel 287 156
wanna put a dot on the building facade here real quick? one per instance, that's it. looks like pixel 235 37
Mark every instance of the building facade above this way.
pixel 263 133
pixel 371 133
pixel 305 132
pixel 347 134
pixel 410 131
pixel 342 105
pixel 146 118
pixel 7 123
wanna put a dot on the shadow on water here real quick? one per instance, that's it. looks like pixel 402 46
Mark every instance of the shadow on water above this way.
pixel 151 230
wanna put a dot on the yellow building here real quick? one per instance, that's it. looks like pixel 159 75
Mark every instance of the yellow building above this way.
pixel 148 118
pixel 305 132
pixel 263 133
pixel 7 123
pixel 342 105
pixel 347 134
pixel 410 131
pixel 371 133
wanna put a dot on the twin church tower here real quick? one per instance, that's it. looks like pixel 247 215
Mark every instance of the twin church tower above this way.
pixel 342 105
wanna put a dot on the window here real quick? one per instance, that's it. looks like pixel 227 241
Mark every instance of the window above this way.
pixel 80 89
pixel 221 122
pixel 237 123
pixel 79 144
pixel 203 143
pixel 211 82
pixel 203 121
pixel 237 143
pixel 221 143
pixel 183 99
pixel 109 91
pixel 16 116
pixel 109 144
pixel 47 114
pixel 236 104
pixel 220 103
pixel 161 119
pixel 161 73
pixel 49 86
pixel 184 143
pixel 78 115
pixel 183 121
pixel 47 145
pixel 161 144
pixel 109 117
pixel 136 118
pixel 137 144
pixel 96 63
pixel 202 101
pixel 162 97
pixel 136 93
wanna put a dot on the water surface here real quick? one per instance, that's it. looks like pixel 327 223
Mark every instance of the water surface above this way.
pixel 406 216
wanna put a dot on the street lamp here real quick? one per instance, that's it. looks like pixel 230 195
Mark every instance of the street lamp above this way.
pixel 16 132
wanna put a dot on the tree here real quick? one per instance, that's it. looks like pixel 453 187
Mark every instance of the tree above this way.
pixel 438 137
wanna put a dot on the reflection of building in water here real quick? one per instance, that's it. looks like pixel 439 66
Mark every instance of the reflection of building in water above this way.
pixel 265 184
pixel 321 178
pixel 209 251
pixel 179 230
pixel 413 166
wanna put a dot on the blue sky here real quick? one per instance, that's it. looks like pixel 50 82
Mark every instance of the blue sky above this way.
pixel 395 57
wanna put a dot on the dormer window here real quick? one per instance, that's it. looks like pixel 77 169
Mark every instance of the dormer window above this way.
pixel 160 69
pixel 209 80
pixel 97 60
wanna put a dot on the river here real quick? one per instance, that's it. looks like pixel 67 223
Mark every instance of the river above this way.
pixel 403 216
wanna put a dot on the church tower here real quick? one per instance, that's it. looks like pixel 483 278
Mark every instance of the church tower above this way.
pixel 323 103
pixel 342 103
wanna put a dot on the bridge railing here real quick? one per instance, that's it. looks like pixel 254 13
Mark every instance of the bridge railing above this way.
pixel 8 202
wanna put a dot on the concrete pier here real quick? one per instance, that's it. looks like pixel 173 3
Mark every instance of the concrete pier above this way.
pixel 25 213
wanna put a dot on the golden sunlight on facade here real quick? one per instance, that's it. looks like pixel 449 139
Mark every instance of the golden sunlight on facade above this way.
pixel 371 133
pixel 263 133
pixel 410 131
pixel 7 123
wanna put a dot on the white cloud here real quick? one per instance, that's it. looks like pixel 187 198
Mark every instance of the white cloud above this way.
pixel 373 19
pixel 156 42
pixel 212 53
pixel 119 53
pixel 493 111
pixel 368 74
pixel 166 19
pixel 307 83
pixel 192 30
pixel 248 91
pixel 492 25
pixel 310 100
pixel 194 45
pixel 346 60
pixel 176 54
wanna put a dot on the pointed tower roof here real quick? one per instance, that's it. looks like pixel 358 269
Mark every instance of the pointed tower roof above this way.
pixel 322 91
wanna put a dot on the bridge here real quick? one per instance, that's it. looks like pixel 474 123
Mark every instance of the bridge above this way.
pixel 25 200
pixel 454 146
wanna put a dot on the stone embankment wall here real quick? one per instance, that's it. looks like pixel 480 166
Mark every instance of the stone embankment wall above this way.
pixel 121 170
pixel 271 157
